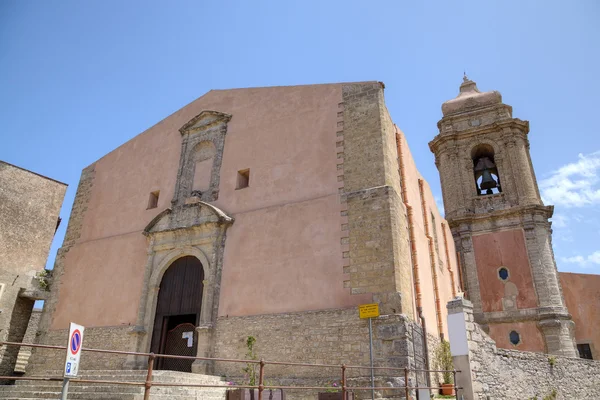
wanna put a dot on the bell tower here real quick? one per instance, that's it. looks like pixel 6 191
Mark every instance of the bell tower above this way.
pixel 500 224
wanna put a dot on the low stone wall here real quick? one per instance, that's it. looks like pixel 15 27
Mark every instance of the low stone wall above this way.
pixel 30 335
pixel 317 337
pixel 495 374
pixel 511 374
pixel 44 361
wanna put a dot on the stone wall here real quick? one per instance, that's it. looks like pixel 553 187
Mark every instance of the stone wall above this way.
pixel 321 337
pixel 29 337
pixel 49 361
pixel 29 209
pixel 510 374
pixel 333 337
pixel 377 254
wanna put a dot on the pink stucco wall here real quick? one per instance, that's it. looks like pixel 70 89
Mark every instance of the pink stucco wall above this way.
pixel 503 249
pixel 286 137
pixel 411 184
pixel 582 296
pixel 529 333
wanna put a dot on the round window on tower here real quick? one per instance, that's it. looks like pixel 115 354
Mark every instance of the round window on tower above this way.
pixel 514 337
pixel 503 273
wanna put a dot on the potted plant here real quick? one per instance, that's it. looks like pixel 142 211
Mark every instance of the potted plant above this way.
pixel 334 392
pixel 443 361
pixel 251 375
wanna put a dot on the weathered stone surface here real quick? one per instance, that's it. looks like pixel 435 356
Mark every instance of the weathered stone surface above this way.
pixel 29 209
pixel 497 373
pixel 477 122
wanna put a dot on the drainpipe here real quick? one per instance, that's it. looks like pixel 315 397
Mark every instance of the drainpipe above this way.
pixel 425 345
pixel 448 261
pixel 436 292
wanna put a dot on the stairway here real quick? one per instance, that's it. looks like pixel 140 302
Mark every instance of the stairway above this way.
pixel 24 390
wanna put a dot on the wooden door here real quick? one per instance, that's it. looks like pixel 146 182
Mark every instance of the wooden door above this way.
pixel 179 300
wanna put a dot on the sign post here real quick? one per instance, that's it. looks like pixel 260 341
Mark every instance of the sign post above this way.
pixel 370 311
pixel 73 355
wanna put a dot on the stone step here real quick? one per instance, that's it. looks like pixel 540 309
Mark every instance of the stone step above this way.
pixel 207 394
pixel 87 391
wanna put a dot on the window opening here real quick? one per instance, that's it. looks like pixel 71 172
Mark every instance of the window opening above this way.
pixel 243 179
pixel 153 199
pixel 585 351
pixel 503 273
pixel 515 338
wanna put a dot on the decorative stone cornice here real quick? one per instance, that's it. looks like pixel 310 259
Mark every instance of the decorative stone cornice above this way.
pixel 176 218
pixel 516 126
pixel 545 211
pixel 205 120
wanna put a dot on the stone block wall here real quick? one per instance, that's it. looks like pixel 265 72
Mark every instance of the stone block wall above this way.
pixel 333 337
pixel 520 375
pixel 511 374
pixel 378 255
pixel 29 210
pixel 29 337
pixel 50 361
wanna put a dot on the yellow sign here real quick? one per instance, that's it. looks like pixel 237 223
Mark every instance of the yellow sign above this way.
pixel 369 310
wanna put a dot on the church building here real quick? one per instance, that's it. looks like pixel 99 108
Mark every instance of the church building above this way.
pixel 275 212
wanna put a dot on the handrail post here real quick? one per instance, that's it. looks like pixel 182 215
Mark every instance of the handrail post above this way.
pixel 261 377
pixel 344 395
pixel 454 380
pixel 148 383
pixel 406 382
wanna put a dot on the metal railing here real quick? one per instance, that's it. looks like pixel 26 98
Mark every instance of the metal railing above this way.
pixel 148 384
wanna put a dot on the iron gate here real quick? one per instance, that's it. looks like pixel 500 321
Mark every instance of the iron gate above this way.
pixel 419 355
pixel 180 341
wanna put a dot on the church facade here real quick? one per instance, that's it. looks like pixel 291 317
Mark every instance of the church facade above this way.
pixel 275 212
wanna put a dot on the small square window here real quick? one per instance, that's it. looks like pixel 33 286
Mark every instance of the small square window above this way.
pixel 243 179
pixel 585 351
pixel 153 199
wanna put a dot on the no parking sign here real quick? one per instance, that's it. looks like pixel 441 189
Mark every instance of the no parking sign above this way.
pixel 73 350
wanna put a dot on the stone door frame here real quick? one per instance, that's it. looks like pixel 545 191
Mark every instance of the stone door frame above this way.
pixel 205 241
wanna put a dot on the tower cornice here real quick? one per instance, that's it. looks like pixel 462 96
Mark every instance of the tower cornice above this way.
pixel 519 126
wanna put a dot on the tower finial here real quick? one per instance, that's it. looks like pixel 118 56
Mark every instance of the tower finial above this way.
pixel 465 78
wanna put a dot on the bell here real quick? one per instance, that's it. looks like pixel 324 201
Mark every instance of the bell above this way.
pixel 487 181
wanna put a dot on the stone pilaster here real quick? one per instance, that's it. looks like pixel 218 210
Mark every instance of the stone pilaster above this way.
pixel 378 254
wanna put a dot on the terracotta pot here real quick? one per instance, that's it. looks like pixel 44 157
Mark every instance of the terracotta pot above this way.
pixel 448 389
pixel 335 396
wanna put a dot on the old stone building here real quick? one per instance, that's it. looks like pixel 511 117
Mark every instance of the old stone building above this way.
pixel 275 212
pixel 271 212
pixel 29 215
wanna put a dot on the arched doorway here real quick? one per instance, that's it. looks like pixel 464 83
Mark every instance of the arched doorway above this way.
pixel 178 313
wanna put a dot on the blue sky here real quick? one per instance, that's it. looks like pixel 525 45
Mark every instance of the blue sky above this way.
pixel 79 78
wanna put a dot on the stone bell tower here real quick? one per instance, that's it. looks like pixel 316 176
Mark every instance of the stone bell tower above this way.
pixel 500 224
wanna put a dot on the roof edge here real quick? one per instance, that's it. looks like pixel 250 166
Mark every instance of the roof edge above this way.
pixel 34 173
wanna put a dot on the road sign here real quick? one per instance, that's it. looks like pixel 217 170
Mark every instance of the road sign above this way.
pixel 368 310
pixel 73 350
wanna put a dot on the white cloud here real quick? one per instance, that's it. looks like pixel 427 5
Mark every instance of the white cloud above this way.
pixel 574 185
pixel 559 221
pixel 593 258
